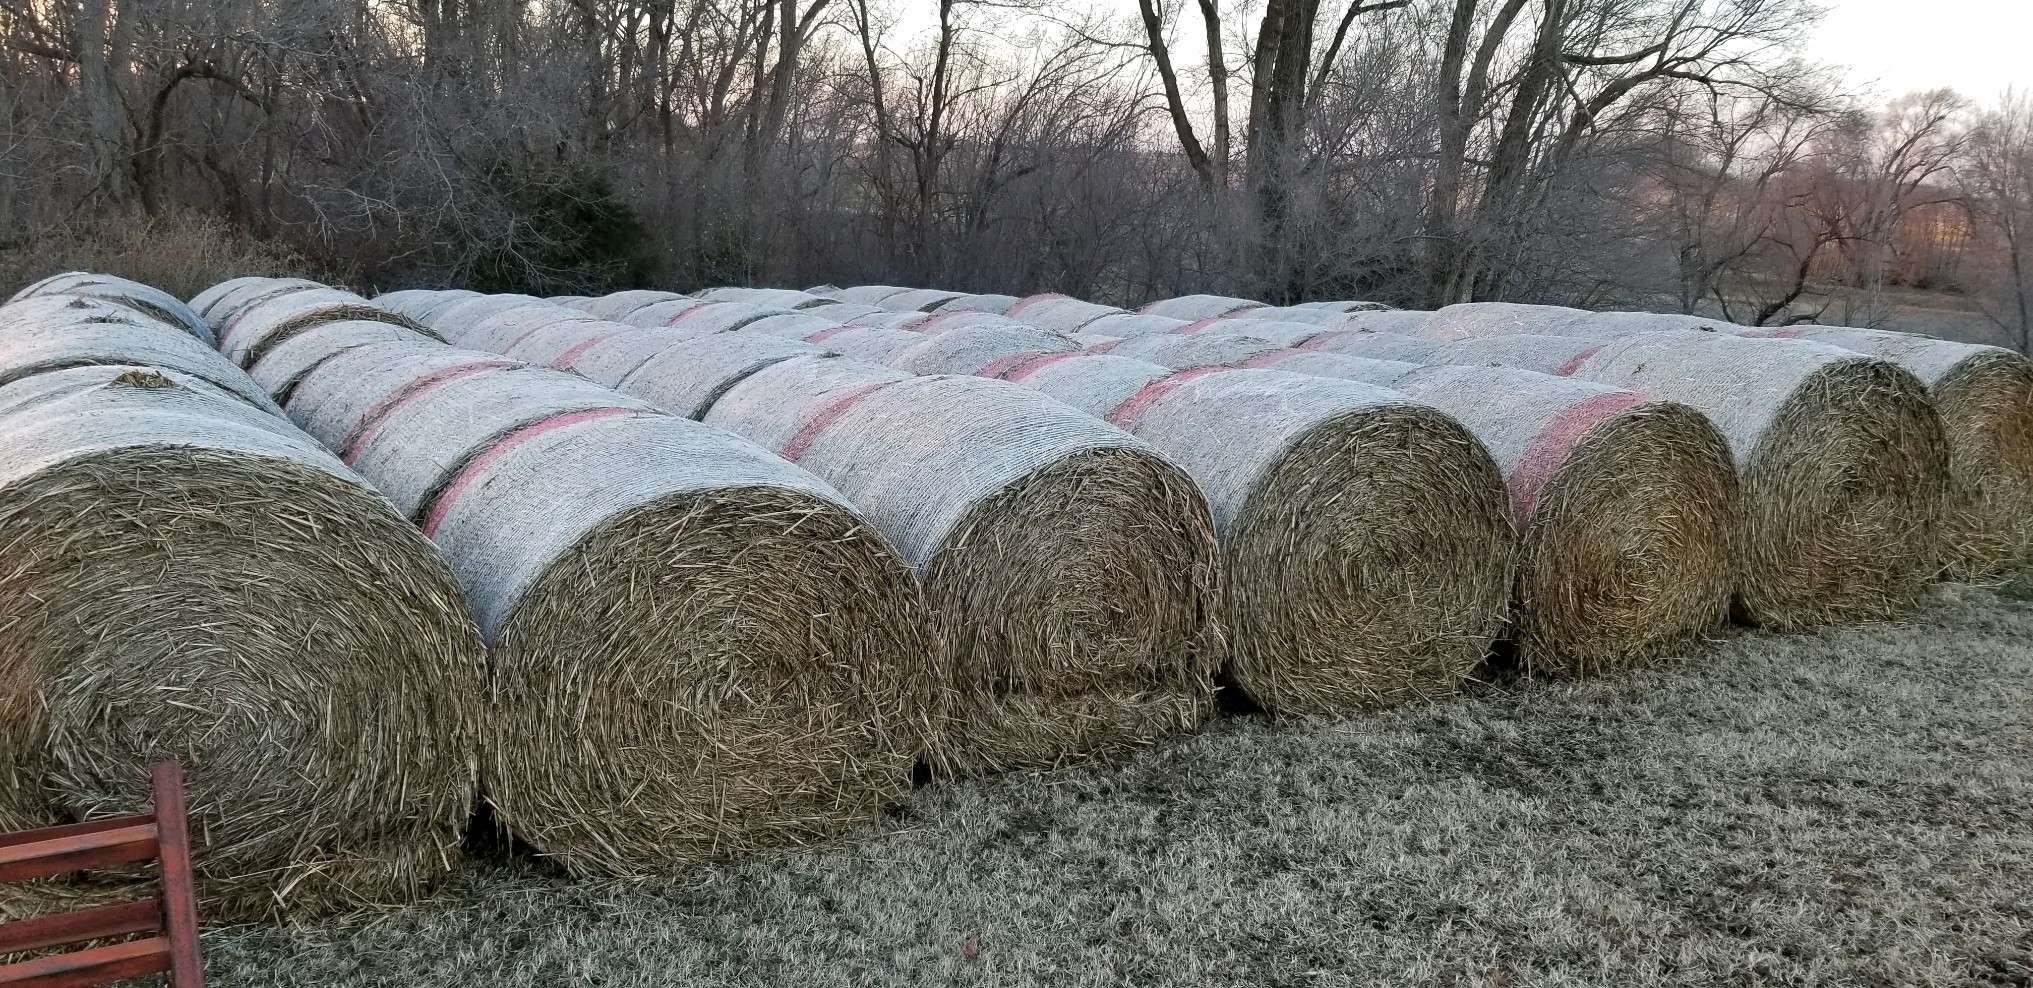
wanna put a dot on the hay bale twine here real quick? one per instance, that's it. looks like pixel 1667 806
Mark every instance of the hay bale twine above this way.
pixel 1366 538
pixel 1194 308
pixel 1059 313
pixel 620 305
pixel 262 324
pixel 314 668
pixel 1072 570
pixel 997 304
pixel 221 302
pixel 279 370
pixel 1984 396
pixel 965 351
pixel 47 333
pixel 696 649
pixel 1843 461
pixel 1473 320
pixel 1629 508
pixel 141 298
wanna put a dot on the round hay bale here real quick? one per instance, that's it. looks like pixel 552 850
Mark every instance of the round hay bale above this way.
pixel 920 299
pixel 1367 540
pixel 1559 356
pixel 1629 508
pixel 965 351
pixel 560 345
pixel 1194 308
pixel 846 312
pixel 946 322
pixel 141 298
pixel 221 302
pixel 887 319
pixel 1376 346
pixel 279 370
pixel 1057 312
pixel 421 304
pixel 1071 569
pixel 1984 396
pixel 313 668
pixel 612 359
pixel 620 305
pixel 997 304
pixel 262 324
pixel 790 325
pixel 1611 325
pixel 1128 324
pixel 567 300
pixel 1275 331
pixel 774 298
pixel 1843 461
pixel 876 346
pixel 1344 306
pixel 1474 320
pixel 689 376
pixel 454 321
pixel 867 294
pixel 1185 352
pixel 502 330
pixel 1407 322
pixel 710 317
pixel 53 332
pixel 696 649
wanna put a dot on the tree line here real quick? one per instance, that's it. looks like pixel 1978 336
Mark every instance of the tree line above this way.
pixel 1673 154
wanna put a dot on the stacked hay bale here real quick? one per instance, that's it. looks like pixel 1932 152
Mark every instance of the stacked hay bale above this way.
pixel 221 302
pixel 270 320
pixel 1071 569
pixel 1367 543
pixel 1628 507
pixel 696 649
pixel 1842 457
pixel 1194 308
pixel 190 577
pixel 141 298
pixel 1985 398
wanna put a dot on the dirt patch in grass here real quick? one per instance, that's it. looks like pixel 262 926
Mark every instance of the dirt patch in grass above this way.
pixel 1851 807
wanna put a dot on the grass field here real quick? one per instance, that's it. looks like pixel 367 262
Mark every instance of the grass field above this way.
pixel 1848 808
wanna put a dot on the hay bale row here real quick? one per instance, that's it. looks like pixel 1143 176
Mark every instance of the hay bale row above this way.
pixel 1628 507
pixel 1193 308
pixel 1365 537
pixel 267 320
pixel 221 302
pixel 191 577
pixel 695 648
pixel 149 301
pixel 1984 396
pixel 1071 570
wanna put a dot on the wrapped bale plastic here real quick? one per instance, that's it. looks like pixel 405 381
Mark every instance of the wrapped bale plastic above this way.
pixel 920 299
pixel 560 345
pixel 620 305
pixel 790 325
pixel 966 351
pixel 774 298
pixel 946 322
pixel 1059 313
pixel 1344 306
pixel 1127 324
pixel 1473 320
pixel 1376 346
pixel 502 330
pixel 1558 356
pixel 1072 570
pixel 1366 537
pixel 876 346
pixel 1984 396
pixel 219 303
pixel 191 578
pixel 1842 458
pixel 422 304
pixel 690 375
pixel 1194 308
pixel 1185 352
pixel 886 319
pixel 1406 322
pixel 1611 325
pixel 867 294
pixel 610 360
pixel 695 648
pixel 997 304
pixel 53 332
pixel 286 363
pixel 454 320
pixel 147 300
pixel 264 323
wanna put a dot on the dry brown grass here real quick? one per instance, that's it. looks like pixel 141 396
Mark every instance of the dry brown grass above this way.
pixel 1847 807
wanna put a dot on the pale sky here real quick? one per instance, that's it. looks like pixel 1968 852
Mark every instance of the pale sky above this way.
pixel 1977 47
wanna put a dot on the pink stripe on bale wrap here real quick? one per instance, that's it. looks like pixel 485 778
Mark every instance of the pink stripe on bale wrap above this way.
pixel 1574 363
pixel 827 334
pixel 564 360
pixel 378 415
pixel 1011 361
pixel 1129 413
pixel 1037 363
pixel 1025 303
pixel 444 501
pixel 795 449
pixel 1548 450
pixel 685 313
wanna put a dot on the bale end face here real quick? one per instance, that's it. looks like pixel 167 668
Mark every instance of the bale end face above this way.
pixel 1986 408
